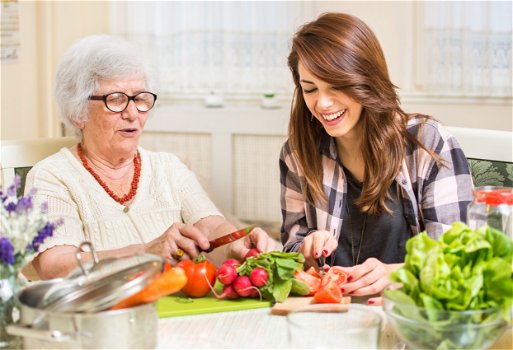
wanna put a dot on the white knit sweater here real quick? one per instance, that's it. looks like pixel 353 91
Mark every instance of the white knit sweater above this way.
pixel 168 192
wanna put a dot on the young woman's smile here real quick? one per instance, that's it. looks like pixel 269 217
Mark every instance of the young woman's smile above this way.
pixel 336 111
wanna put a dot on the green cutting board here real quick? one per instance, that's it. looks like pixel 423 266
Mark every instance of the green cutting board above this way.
pixel 177 305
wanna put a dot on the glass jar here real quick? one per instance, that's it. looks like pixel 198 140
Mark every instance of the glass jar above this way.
pixel 492 206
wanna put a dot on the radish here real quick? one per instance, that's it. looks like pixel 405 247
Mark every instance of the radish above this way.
pixel 233 262
pixel 255 293
pixel 258 277
pixel 226 274
pixel 242 286
pixel 228 293
pixel 252 253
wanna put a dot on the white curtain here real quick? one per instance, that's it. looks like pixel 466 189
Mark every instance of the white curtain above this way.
pixel 229 48
pixel 466 48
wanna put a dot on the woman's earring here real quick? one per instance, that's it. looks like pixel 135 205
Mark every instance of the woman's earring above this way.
pixel 311 118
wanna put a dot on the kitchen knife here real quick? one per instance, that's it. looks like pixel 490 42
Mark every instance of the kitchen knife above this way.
pixel 229 238
pixel 321 261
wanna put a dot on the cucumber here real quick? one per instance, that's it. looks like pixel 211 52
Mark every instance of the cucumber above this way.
pixel 299 288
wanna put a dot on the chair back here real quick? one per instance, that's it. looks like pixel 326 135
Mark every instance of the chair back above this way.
pixel 18 156
pixel 489 154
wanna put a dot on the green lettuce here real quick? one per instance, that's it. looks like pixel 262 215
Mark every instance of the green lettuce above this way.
pixel 462 270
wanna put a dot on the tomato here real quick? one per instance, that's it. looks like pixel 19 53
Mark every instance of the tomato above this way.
pixel 334 274
pixel 313 282
pixel 329 293
pixel 201 276
pixel 168 282
pixel 313 271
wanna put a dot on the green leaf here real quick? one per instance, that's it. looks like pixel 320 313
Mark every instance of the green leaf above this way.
pixel 281 290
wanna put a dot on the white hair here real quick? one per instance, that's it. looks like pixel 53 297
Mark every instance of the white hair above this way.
pixel 91 59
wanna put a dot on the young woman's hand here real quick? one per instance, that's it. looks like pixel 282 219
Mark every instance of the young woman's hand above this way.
pixel 369 278
pixel 317 244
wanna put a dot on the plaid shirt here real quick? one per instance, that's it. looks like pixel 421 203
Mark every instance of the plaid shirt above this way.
pixel 433 196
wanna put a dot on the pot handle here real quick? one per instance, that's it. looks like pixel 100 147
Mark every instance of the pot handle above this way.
pixel 78 257
pixel 42 334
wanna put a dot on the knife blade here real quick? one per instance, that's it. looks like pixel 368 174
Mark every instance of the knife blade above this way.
pixel 229 238
pixel 321 261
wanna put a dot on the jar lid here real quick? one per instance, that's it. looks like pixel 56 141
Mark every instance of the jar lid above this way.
pixel 105 283
pixel 494 195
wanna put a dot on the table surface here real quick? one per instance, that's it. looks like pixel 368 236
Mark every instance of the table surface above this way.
pixel 255 329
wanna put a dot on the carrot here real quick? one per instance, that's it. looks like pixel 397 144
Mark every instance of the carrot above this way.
pixel 168 282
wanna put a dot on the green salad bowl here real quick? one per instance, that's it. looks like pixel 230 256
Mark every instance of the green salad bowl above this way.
pixel 422 328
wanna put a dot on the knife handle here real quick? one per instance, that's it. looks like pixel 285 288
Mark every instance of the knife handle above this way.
pixel 321 261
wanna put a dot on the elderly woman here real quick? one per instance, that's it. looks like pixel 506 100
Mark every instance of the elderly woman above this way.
pixel 109 190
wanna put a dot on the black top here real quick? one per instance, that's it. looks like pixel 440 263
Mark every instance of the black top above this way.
pixel 383 237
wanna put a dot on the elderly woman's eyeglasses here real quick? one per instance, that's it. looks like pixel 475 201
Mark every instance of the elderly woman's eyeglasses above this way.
pixel 118 101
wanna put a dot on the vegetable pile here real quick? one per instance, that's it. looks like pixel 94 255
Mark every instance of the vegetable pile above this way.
pixel 276 275
pixel 268 275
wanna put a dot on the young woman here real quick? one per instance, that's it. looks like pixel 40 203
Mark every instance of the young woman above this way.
pixel 360 176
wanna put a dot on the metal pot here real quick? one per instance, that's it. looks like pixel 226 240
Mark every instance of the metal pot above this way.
pixel 130 328
pixel 74 312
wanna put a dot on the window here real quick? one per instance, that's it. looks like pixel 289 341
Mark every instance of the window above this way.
pixel 466 47
pixel 238 49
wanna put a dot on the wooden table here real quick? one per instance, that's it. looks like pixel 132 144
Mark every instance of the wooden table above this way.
pixel 255 329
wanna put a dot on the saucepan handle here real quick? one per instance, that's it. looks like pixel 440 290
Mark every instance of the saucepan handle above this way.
pixel 78 257
pixel 41 334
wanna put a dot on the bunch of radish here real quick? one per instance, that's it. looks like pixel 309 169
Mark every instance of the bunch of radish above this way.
pixel 268 275
pixel 236 285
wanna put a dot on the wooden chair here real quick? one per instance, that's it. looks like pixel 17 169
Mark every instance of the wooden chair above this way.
pixel 18 156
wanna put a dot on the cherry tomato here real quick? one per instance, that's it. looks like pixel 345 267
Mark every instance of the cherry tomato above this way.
pixel 201 276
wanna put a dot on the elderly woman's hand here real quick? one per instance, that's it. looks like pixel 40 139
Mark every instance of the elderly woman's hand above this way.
pixel 317 244
pixel 257 238
pixel 177 237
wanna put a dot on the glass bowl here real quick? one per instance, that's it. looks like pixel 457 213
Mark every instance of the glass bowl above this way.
pixel 422 328
pixel 328 326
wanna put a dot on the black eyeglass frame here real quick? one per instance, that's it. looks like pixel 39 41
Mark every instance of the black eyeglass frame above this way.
pixel 130 98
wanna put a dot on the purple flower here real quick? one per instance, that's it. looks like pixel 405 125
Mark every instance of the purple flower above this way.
pixel 11 190
pixel 24 205
pixel 6 251
pixel 42 234
pixel 10 207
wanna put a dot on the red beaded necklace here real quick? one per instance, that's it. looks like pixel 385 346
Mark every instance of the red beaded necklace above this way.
pixel 135 181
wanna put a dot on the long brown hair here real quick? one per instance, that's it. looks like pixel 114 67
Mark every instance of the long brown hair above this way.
pixel 342 50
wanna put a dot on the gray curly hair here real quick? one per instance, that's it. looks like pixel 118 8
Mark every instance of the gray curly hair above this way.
pixel 91 59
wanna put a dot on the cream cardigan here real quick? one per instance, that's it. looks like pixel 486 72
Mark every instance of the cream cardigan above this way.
pixel 168 192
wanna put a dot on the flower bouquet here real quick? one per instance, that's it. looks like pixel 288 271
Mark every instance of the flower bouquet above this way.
pixel 22 230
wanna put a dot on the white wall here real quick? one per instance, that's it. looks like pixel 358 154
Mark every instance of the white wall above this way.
pixel 49 27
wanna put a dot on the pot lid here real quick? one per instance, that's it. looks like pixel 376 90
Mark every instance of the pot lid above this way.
pixel 100 285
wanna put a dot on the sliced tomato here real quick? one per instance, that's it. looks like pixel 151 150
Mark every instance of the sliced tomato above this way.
pixel 312 271
pixel 329 293
pixel 313 282
pixel 334 274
